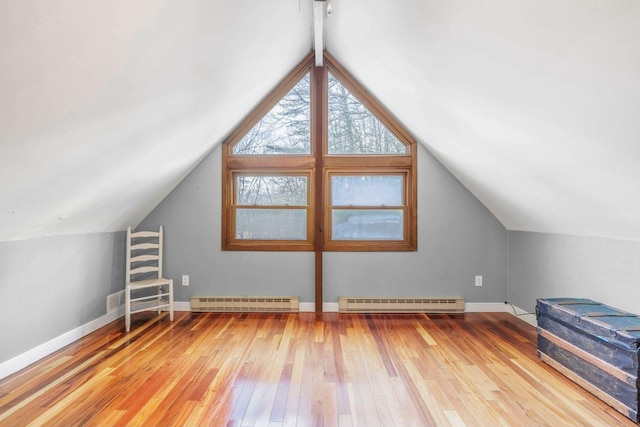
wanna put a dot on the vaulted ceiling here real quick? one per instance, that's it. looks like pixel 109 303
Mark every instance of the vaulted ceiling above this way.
pixel 533 106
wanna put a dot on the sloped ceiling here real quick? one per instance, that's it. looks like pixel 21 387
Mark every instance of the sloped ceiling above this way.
pixel 533 105
pixel 106 106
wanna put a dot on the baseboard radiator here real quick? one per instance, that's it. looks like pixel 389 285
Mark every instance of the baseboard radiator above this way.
pixel 245 304
pixel 400 305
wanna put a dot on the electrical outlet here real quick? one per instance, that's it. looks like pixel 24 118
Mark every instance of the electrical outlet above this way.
pixel 185 280
pixel 478 280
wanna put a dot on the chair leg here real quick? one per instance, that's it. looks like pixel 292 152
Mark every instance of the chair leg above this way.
pixel 159 300
pixel 127 309
pixel 171 300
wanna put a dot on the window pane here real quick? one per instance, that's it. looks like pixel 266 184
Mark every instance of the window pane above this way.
pixel 367 190
pixel 286 129
pixel 353 224
pixel 271 224
pixel 352 129
pixel 271 190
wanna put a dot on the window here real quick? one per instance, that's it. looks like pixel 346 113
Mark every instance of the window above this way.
pixel 352 129
pixel 285 129
pixel 319 165
pixel 271 207
pixel 367 207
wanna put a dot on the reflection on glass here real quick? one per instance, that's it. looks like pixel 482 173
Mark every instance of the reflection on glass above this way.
pixel 369 224
pixel 366 190
pixel 271 190
pixel 271 224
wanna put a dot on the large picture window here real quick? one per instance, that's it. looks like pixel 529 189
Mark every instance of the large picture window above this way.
pixel 319 123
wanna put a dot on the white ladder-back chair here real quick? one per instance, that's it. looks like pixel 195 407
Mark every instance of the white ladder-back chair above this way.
pixel 143 273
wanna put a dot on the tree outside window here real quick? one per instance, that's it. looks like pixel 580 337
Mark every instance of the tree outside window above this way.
pixel 368 185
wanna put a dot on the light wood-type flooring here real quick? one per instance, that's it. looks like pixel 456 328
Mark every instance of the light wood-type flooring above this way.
pixel 473 369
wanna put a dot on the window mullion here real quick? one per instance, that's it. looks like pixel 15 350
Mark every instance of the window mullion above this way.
pixel 318 138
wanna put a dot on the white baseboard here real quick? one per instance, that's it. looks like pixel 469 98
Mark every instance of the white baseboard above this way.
pixel 499 307
pixel 330 307
pixel 182 306
pixel 530 318
pixel 307 307
pixel 485 307
pixel 25 359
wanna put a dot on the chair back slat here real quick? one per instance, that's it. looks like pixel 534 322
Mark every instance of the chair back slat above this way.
pixel 141 270
pixel 141 246
pixel 136 234
pixel 144 255
pixel 142 258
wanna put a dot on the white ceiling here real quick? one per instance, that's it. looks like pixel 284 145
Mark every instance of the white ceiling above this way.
pixel 106 106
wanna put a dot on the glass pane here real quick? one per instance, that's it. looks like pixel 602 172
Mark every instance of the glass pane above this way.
pixel 271 224
pixel 352 224
pixel 286 129
pixel 352 129
pixel 367 190
pixel 271 190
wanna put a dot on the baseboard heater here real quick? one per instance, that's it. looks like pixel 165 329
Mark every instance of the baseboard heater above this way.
pixel 400 305
pixel 244 304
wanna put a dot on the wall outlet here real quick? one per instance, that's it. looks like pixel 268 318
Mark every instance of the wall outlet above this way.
pixel 185 280
pixel 478 280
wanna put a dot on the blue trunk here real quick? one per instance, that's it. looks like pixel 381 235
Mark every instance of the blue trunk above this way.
pixel 593 344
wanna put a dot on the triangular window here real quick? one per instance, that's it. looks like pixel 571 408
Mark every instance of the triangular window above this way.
pixel 319 165
pixel 286 129
pixel 352 129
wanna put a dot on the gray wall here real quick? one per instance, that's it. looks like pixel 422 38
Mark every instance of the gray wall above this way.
pixel 553 265
pixel 50 286
pixel 458 239
pixel 191 217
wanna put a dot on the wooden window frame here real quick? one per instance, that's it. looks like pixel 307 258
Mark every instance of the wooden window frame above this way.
pixel 319 166
pixel 263 244
pixel 368 245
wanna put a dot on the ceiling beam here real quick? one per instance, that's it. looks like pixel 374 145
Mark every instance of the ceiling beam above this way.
pixel 318 30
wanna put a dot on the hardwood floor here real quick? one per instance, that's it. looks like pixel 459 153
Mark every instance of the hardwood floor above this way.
pixel 476 369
